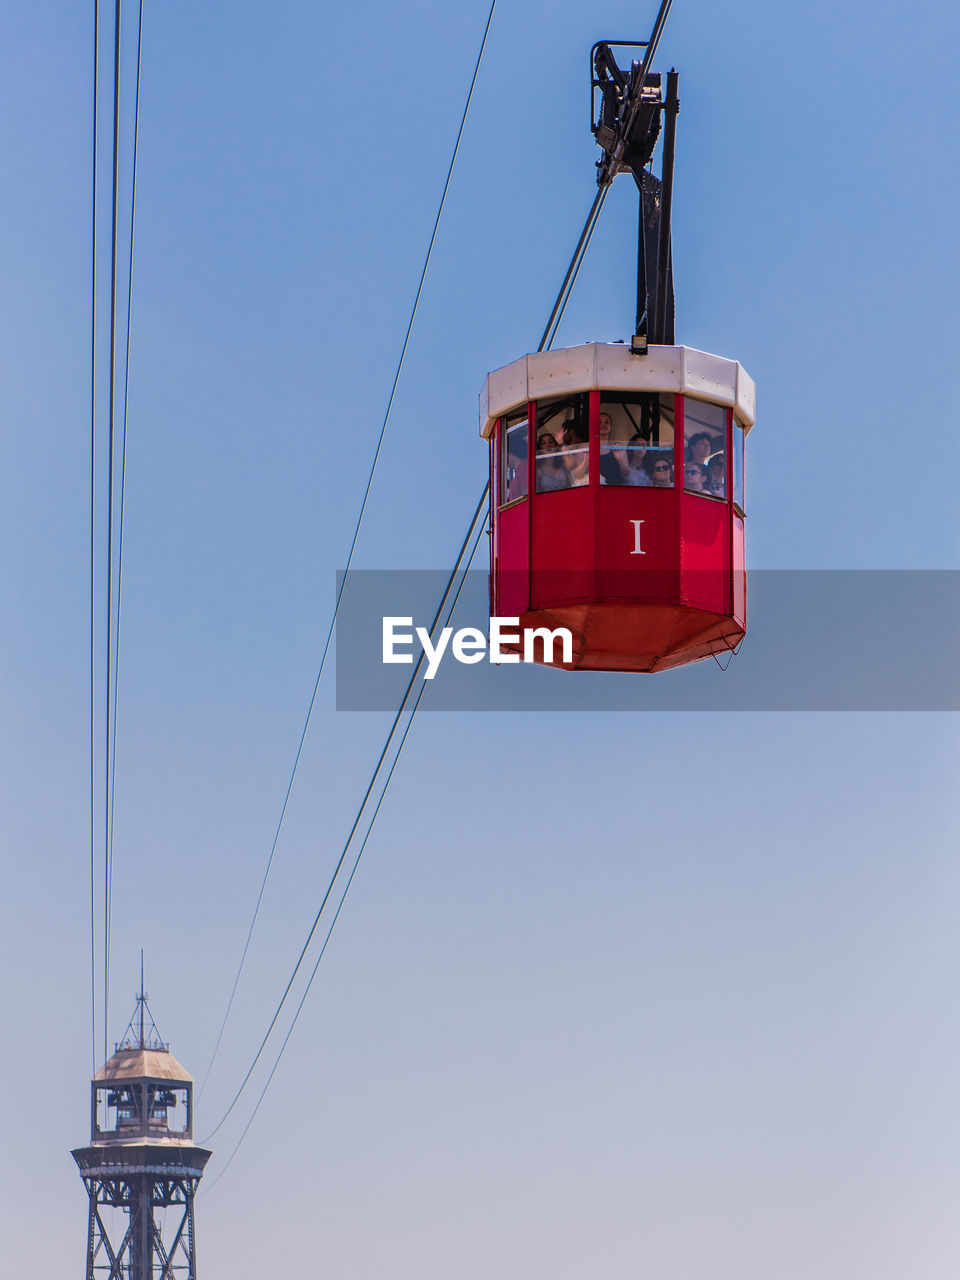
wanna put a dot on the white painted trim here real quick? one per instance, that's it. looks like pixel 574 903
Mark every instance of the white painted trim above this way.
pixel 611 366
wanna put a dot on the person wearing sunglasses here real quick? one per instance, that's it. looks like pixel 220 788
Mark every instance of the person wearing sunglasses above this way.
pixel 660 470
pixel 695 477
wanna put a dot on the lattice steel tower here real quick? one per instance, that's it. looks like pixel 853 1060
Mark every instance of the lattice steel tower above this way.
pixel 141 1159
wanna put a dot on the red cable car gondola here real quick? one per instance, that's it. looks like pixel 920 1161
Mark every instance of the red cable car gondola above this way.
pixel 616 471
pixel 617 501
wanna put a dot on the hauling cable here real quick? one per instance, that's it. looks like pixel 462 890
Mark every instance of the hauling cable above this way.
pixel 108 852
pixel 546 342
pixel 353 872
pixel 559 306
pixel 93 541
pixel 123 473
pixel 353 829
pixel 573 270
pixel 350 555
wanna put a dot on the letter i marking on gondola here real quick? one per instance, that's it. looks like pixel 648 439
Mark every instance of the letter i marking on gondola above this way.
pixel 637 549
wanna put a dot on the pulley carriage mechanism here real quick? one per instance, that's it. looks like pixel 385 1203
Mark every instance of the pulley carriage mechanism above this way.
pixel 616 469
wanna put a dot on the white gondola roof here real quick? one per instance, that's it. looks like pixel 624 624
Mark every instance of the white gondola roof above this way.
pixel 611 366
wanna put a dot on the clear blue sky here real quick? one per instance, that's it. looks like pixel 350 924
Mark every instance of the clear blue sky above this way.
pixel 657 992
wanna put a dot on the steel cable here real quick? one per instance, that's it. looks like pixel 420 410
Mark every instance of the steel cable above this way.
pixel 556 315
pixel 354 826
pixel 559 306
pixel 123 472
pixel 353 872
pixel 353 545
pixel 546 341
pixel 93 531
pixel 110 453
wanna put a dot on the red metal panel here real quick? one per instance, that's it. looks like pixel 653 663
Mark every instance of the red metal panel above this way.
pixel 705 552
pixel 738 567
pixel 593 411
pixel 562 560
pixel 531 448
pixel 491 519
pixel 637 553
pixel 731 595
pixel 513 562
pixel 495 517
pixel 593 419
pixel 739 574
pixel 634 636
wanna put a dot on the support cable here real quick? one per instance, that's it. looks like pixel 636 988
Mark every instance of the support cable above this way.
pixel 93 530
pixel 346 889
pixel 123 471
pixel 355 825
pixel 110 451
pixel 353 545
pixel 550 332
pixel 545 341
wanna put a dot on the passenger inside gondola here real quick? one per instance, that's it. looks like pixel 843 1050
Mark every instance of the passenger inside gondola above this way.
pixel 575 435
pixel 659 469
pixel 635 442
pixel 552 472
pixel 636 429
pixel 695 477
pixel 613 460
pixel 636 451
pixel 699 448
pixel 717 475
pixel 563 457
